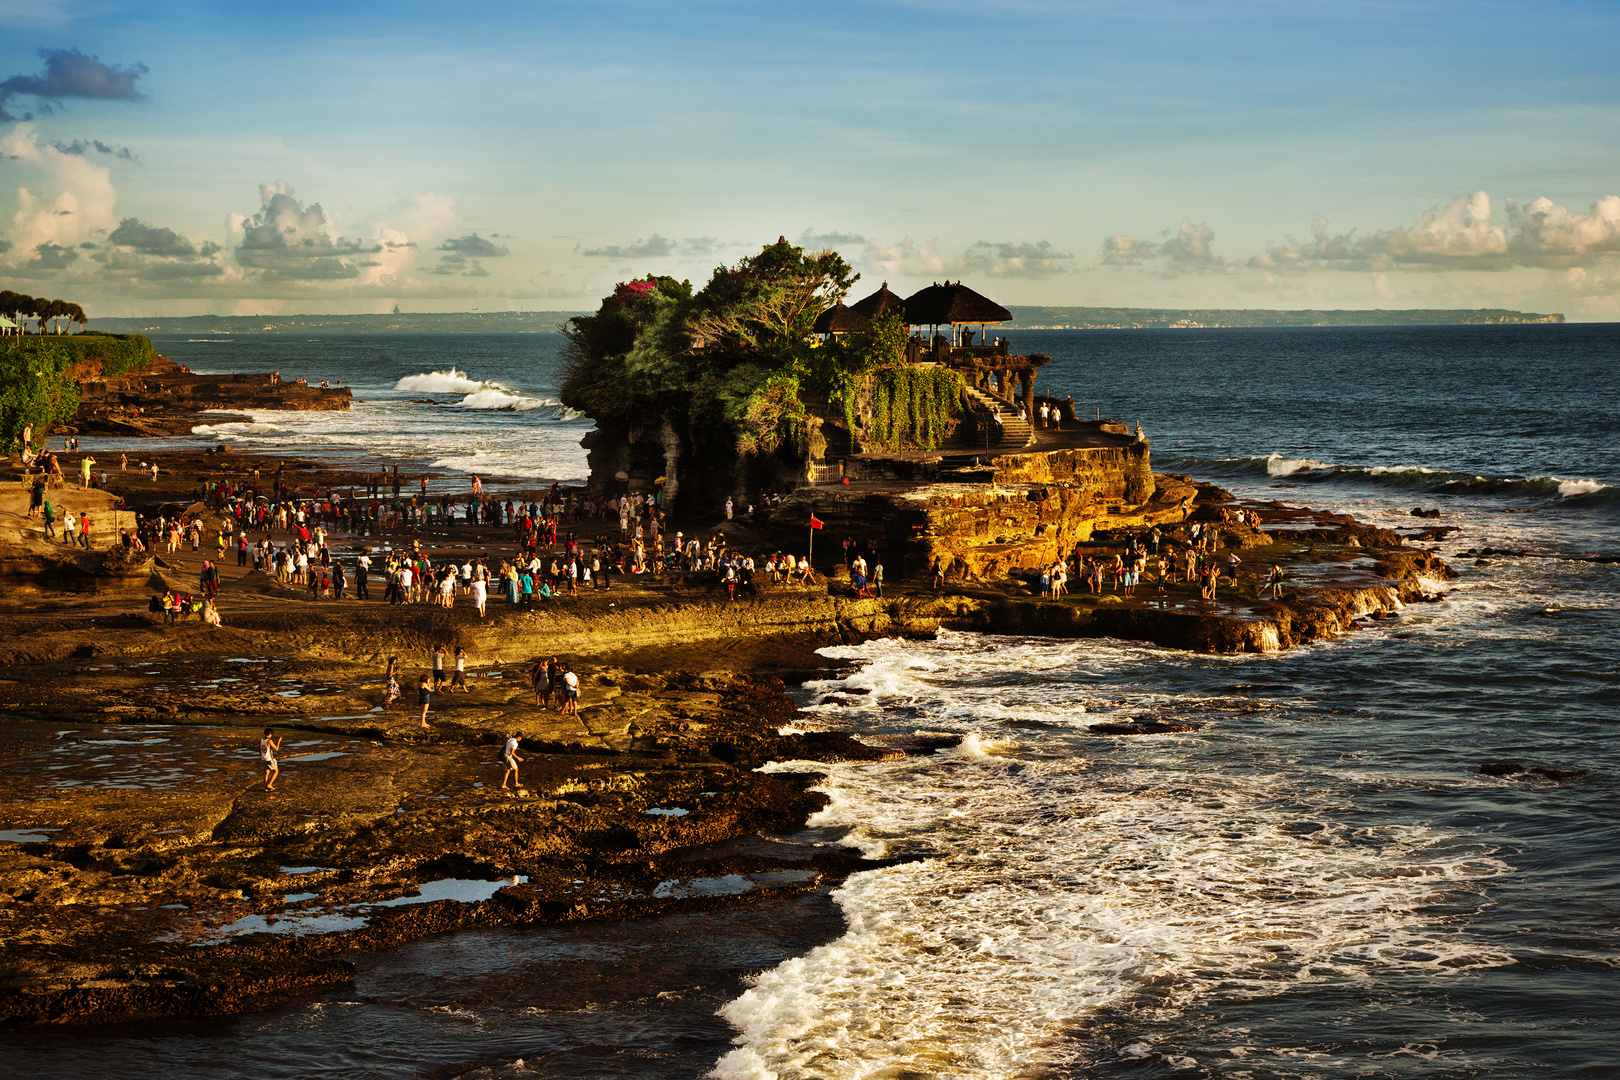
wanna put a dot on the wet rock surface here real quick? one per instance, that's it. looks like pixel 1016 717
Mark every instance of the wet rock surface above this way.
pixel 144 871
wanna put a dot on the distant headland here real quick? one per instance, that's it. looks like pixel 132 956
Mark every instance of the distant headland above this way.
pixel 1023 318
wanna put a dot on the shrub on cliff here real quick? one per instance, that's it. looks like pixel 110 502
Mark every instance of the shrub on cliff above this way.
pixel 732 360
pixel 35 388
pixel 114 354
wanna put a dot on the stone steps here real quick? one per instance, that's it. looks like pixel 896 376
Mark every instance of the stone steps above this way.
pixel 1016 432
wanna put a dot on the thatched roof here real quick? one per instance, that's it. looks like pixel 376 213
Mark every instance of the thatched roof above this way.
pixel 942 305
pixel 839 319
pixel 879 303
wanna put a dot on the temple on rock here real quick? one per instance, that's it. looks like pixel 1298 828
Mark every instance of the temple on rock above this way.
pixel 950 328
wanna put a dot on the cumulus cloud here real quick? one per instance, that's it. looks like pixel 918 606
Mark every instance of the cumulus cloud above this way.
pixel 69 73
pixel 1037 260
pixel 907 257
pixel 69 199
pixel 137 254
pixel 1545 234
pixel 463 254
pixel 654 247
pixel 1188 249
pixel 1464 234
pixel 474 246
pixel 289 240
pixel 812 239
pixel 150 239
pixel 48 258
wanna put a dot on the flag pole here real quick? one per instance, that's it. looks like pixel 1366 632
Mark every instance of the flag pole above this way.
pixel 811 558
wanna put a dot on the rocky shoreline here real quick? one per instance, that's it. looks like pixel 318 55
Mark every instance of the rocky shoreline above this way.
pixel 144 874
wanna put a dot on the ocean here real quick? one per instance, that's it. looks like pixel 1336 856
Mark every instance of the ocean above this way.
pixel 1318 883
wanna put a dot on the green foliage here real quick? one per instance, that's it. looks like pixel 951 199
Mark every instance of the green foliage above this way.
pixel 35 388
pixel 910 407
pixel 117 353
pixel 732 359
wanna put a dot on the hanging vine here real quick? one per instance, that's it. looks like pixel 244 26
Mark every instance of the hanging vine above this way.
pixel 902 408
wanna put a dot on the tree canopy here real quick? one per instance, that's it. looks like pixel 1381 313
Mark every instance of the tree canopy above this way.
pixel 736 355
pixel 22 306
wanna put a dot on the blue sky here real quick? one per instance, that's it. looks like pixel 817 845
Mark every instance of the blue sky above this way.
pixel 530 154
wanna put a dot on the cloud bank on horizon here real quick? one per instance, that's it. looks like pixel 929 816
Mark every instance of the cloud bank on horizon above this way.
pixel 131 186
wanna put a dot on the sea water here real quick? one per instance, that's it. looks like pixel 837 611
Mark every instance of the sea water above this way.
pixel 1318 882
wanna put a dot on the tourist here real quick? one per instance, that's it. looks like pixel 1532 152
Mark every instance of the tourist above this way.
pixel 49 514
pixel 1273 582
pixel 84 530
pixel 84 470
pixel 480 592
pixel 362 567
pixel 439 653
pixel 210 614
pixel 424 696
pixel 570 691
pixel 268 746
pixel 540 678
pixel 392 694
pixel 460 677
pixel 938 573
pixel 509 757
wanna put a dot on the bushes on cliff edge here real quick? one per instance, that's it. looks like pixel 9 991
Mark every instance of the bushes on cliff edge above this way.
pixel 35 388
pixel 116 353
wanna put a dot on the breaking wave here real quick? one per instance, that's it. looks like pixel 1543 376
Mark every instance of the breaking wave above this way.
pixel 488 395
pixel 453 381
pixel 1417 478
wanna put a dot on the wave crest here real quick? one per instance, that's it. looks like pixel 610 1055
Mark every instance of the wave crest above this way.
pixel 1417 478
pixel 453 381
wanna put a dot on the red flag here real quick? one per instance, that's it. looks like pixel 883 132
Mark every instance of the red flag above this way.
pixel 816 523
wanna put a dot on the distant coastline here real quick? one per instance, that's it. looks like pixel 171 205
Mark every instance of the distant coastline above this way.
pixel 1024 318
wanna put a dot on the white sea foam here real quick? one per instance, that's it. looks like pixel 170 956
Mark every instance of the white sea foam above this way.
pixel 453 381
pixel 1278 465
pixel 1569 488
pixel 1049 885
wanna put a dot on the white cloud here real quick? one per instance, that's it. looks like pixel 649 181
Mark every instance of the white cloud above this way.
pixel 73 200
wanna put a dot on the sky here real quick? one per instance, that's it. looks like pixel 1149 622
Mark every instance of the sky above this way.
pixel 184 158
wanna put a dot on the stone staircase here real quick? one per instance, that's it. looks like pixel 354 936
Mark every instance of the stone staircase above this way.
pixel 1016 432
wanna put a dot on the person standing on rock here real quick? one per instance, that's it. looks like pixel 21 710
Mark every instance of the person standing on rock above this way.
pixel 392 694
pixel 509 757
pixel 424 696
pixel 267 754
pixel 84 470
pixel 439 653
pixel 570 691
pixel 460 676
pixel 540 679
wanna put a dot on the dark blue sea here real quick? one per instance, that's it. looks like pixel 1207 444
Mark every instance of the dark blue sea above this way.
pixel 1318 883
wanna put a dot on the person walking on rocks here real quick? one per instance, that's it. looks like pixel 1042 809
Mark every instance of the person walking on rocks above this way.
pixel 509 757
pixel 267 754
pixel 460 676
pixel 439 653
pixel 393 682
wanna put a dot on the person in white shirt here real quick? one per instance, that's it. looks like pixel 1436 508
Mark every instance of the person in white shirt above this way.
pixel 509 757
